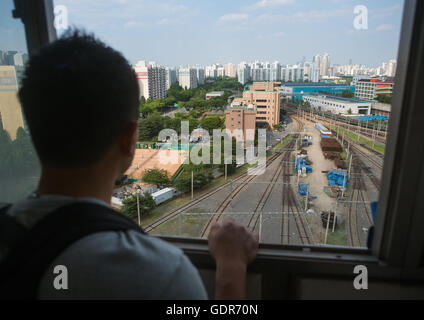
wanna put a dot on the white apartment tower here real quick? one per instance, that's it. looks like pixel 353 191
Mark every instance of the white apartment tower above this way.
pixel 230 70
pixel 151 79
pixel 243 72
pixel 187 77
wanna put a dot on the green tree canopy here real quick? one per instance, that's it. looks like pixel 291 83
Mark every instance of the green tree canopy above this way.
pixel 146 204
pixel 156 176
pixel 211 122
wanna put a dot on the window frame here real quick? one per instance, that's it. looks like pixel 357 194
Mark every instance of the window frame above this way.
pixel 393 253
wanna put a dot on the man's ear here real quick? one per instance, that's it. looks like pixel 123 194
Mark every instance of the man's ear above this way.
pixel 129 139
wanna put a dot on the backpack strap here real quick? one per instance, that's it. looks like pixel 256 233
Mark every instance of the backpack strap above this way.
pixel 11 231
pixel 28 260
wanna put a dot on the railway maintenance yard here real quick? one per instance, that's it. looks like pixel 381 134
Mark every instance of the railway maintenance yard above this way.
pixel 287 206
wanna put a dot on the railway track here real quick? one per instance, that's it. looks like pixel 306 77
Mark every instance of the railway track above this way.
pixel 358 200
pixel 252 223
pixel 369 132
pixel 171 215
pixel 242 182
pixel 253 220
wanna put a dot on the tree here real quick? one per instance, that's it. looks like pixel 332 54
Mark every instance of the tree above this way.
pixel 156 176
pixel 211 122
pixel 349 111
pixel 200 179
pixel 384 99
pixel 277 126
pixel 150 126
pixel 347 94
pixel 146 204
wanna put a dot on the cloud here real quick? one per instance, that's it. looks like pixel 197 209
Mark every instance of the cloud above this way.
pixel 233 17
pixel 278 35
pixel 271 35
pixel 134 24
pixel 318 15
pixel 385 27
pixel 269 3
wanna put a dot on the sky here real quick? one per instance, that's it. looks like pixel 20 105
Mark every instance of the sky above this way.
pixel 181 32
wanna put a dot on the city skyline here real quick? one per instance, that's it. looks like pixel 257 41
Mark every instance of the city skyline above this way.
pixel 191 32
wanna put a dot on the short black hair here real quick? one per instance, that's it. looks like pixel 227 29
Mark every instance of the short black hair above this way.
pixel 78 95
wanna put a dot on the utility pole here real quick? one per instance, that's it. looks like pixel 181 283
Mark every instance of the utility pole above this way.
pixel 307 196
pixel 335 216
pixel 225 172
pixel 231 193
pixel 350 164
pixel 192 184
pixel 326 229
pixel 138 210
pixel 344 184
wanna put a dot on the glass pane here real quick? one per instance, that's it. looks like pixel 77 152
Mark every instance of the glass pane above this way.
pixel 317 76
pixel 19 167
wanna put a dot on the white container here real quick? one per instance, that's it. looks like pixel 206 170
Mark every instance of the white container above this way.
pixel 163 195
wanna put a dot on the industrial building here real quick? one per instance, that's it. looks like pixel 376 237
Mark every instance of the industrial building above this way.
pixel 295 91
pixel 338 105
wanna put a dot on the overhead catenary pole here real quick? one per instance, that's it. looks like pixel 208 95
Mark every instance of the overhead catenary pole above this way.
pixel 328 225
pixel 138 210
pixel 335 216
pixel 225 172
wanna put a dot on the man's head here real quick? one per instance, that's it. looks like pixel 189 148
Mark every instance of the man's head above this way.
pixel 80 99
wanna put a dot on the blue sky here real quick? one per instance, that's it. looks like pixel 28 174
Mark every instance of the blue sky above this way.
pixel 179 32
pixel 12 35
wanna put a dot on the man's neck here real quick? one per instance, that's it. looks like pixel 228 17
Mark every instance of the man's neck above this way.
pixel 77 183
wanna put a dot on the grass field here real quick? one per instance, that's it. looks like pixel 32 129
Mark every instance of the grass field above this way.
pixel 377 147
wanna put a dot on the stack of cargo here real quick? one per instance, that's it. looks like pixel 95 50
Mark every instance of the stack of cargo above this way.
pixel 336 177
pixel 331 144
pixel 303 189
pixel 300 164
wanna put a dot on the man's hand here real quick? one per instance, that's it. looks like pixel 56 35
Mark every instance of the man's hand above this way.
pixel 233 247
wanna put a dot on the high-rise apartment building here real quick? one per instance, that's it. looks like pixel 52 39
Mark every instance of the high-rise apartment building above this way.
pixel 170 77
pixel 243 72
pixel 325 65
pixel 151 79
pixel 220 72
pixel 391 68
pixel 200 74
pixel 211 72
pixel 187 77
pixel 10 108
pixel 275 72
pixel 230 70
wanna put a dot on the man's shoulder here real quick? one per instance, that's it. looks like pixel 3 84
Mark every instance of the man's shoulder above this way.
pixel 116 265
